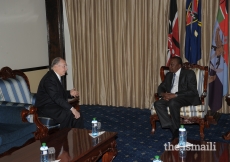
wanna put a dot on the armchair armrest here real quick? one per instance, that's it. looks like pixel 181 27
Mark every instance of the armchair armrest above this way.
pixel 75 103
pixel 203 95
pixel 42 131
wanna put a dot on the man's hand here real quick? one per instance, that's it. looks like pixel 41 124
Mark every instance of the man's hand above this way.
pixel 168 96
pixel 74 93
pixel 75 113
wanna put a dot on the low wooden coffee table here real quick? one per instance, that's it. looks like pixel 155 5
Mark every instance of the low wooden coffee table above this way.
pixel 70 145
pixel 215 152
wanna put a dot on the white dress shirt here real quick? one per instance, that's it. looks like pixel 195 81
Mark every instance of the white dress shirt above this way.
pixel 176 82
pixel 58 76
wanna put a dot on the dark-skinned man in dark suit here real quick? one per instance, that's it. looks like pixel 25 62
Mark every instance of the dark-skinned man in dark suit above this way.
pixel 178 89
pixel 52 98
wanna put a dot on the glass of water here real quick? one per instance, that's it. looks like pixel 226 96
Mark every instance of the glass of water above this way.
pixel 99 128
pixel 51 153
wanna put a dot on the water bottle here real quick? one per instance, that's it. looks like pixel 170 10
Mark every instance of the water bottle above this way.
pixel 94 127
pixel 182 136
pixel 44 153
pixel 157 159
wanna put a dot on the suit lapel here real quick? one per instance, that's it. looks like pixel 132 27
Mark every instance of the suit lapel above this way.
pixel 169 82
pixel 62 90
pixel 181 78
pixel 56 78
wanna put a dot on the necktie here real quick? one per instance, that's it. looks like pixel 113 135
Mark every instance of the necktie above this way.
pixel 173 79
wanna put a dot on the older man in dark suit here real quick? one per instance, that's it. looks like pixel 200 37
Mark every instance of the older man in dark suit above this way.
pixel 52 98
pixel 177 90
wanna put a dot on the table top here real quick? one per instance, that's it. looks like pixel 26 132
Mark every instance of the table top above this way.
pixel 69 144
pixel 201 151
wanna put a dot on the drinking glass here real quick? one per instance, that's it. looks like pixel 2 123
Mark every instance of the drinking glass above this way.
pixel 99 128
pixel 51 153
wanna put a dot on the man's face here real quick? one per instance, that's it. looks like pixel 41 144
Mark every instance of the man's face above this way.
pixel 174 66
pixel 61 68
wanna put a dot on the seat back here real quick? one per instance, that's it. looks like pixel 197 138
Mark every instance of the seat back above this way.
pixel 201 76
pixel 14 86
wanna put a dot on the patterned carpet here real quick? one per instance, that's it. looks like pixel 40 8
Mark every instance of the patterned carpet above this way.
pixel 134 142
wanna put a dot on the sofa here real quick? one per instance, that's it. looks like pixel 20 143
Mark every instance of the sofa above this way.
pixel 15 130
pixel 18 117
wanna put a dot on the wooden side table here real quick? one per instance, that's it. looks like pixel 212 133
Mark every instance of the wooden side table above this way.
pixel 226 136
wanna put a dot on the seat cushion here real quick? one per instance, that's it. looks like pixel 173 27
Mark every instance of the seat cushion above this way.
pixel 188 111
pixel 12 132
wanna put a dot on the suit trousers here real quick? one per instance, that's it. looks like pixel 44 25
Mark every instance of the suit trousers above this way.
pixel 62 116
pixel 174 107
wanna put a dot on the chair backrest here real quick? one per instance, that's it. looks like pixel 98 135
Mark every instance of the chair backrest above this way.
pixel 14 86
pixel 201 76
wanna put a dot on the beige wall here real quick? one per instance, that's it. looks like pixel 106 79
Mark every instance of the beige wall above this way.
pixel 34 78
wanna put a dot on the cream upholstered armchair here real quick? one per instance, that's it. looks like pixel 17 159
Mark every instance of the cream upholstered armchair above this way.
pixel 189 114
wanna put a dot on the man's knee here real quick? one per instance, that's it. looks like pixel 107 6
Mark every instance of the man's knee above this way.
pixel 159 104
pixel 173 104
pixel 77 123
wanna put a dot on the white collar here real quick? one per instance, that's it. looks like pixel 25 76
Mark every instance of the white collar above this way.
pixel 58 76
pixel 178 72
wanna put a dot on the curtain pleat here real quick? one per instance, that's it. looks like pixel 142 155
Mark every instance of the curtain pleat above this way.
pixel 118 47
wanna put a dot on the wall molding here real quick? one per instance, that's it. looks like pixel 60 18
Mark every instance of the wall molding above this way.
pixel 34 68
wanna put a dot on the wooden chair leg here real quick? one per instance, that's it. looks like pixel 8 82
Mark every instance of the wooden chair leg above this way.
pixel 206 124
pixel 153 119
pixel 201 123
pixel 226 136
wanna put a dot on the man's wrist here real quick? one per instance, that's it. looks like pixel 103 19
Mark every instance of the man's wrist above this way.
pixel 71 108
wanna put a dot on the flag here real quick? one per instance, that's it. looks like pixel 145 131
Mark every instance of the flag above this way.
pixel 173 34
pixel 218 68
pixel 193 31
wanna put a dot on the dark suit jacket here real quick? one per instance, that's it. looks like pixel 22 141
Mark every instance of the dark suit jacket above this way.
pixel 187 86
pixel 51 94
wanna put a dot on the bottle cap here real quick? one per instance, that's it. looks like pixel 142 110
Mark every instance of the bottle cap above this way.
pixel 182 126
pixel 157 157
pixel 94 118
pixel 44 144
